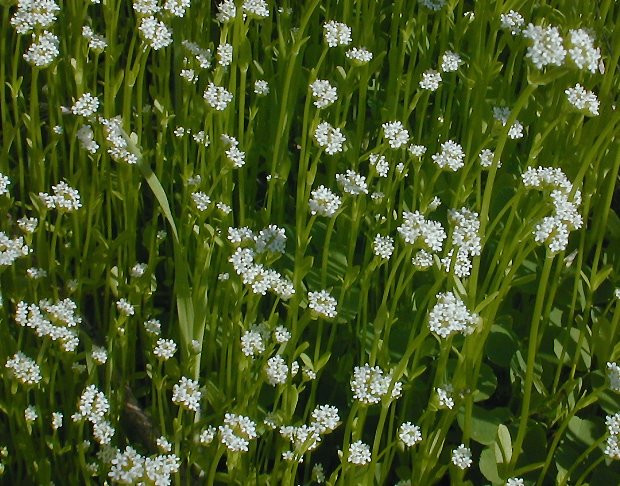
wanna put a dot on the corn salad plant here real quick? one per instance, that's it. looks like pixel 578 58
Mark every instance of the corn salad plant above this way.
pixel 350 242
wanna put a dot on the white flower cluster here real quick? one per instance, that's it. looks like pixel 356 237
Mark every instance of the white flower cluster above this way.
pixel 359 55
pixel 304 438
pixel 93 407
pixel 55 321
pixel 277 370
pixel 583 100
pixel 546 48
pixel 11 249
pixel 118 147
pixel 352 183
pixel 501 114
pixel 582 51
pixel 200 55
pixel 57 420
pixel 422 260
pixel 259 278
pixel 30 414
pixel 434 5
pixel 86 137
pixel 449 315
pixel 129 467
pixel 465 239
pixel 43 50
pixel 177 7
pixel 512 21
pixel 325 418
pixel 155 32
pixel 410 434
pixel 217 97
pixel 613 374
pixel 65 198
pixel 227 11
pixel 85 105
pixel 4 184
pixel 612 446
pixel 380 163
pixel 261 87
pixel 324 93
pixel 383 246
pixel 359 453
pixel 234 155
pixel 237 432
pixel 461 457
pixel 186 393
pixel 125 307
pixel 486 159
pixel 369 384
pixel 415 227
pixel 253 341
pixel 396 134
pixel 430 80
pixel 450 62
pixel 225 54
pixel 164 349
pixel 337 34
pixel 323 304
pixel 451 156
pixel 201 200
pixel 207 435
pixel 515 482
pixel 99 355
pixel 324 202
pixel 96 42
pixel 256 8
pixel 329 138
pixel 34 14
pixel 445 398
pixel 24 369
pixel 553 230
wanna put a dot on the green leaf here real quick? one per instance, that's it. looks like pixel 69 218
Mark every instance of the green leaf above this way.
pixel 504 443
pixel 488 466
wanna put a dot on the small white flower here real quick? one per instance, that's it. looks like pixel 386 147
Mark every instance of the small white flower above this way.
pixel 512 21
pixel 322 303
pixel 324 93
pixel 430 80
pixel 547 46
pixel 57 420
pixel 261 87
pixel 359 56
pixel 450 62
pixel 329 138
pixel 461 457
pixel 410 434
pixel 164 349
pixel 337 34
pixel 613 374
pixel 383 246
pixel 217 97
pixel 155 32
pixel 324 202
pixel 396 134
pixel 451 156
pixel 352 183
pixel 86 105
pixel 359 453
pixel 225 54
pixel 124 307
pixel 187 394
pixel 583 100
